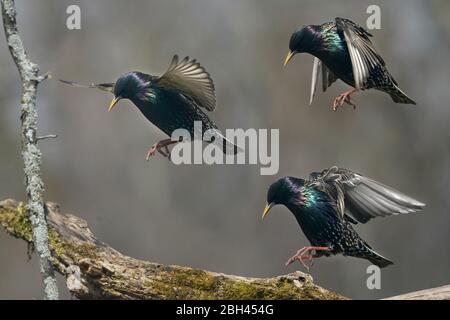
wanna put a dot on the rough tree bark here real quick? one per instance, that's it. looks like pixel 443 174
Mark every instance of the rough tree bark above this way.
pixel 29 73
pixel 93 270
pixel 439 293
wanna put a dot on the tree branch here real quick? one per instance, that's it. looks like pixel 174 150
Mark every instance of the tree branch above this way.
pixel 94 270
pixel 440 293
pixel 29 73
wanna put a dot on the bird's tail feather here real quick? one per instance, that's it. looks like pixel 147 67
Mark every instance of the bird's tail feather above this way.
pixel 227 146
pixel 400 97
pixel 377 259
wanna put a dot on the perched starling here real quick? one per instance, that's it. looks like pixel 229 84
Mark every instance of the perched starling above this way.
pixel 329 203
pixel 343 50
pixel 172 101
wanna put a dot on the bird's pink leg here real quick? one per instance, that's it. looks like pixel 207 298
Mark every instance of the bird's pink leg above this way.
pixel 304 254
pixel 344 98
pixel 158 146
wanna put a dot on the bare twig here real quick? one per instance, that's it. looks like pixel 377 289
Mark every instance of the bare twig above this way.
pixel 94 270
pixel 29 73
pixel 49 136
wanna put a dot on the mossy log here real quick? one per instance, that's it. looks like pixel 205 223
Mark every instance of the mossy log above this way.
pixel 94 270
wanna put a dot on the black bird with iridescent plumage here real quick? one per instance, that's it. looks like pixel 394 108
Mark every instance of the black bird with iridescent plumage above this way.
pixel 329 202
pixel 343 50
pixel 175 100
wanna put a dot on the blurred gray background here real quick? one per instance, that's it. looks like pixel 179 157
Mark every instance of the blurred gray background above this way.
pixel 209 216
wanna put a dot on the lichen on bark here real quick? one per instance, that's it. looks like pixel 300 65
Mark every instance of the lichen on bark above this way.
pixel 94 270
pixel 31 155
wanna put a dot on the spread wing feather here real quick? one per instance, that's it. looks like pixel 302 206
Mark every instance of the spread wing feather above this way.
pixel 363 198
pixel 367 199
pixel 362 52
pixel 192 80
pixel 328 77
pixel 317 65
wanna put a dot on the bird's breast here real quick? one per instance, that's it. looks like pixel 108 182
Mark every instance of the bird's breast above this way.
pixel 320 226
pixel 340 64
pixel 171 112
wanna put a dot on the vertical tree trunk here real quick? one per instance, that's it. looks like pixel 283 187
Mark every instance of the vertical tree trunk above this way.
pixel 29 73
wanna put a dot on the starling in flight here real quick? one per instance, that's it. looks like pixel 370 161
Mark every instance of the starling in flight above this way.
pixel 327 205
pixel 343 50
pixel 172 101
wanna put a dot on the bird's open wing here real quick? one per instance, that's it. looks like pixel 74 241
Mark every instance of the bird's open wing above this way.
pixel 328 77
pixel 192 80
pixel 107 87
pixel 365 198
pixel 328 181
pixel 317 65
pixel 362 53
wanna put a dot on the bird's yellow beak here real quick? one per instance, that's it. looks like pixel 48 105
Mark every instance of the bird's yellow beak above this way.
pixel 267 209
pixel 288 57
pixel 113 103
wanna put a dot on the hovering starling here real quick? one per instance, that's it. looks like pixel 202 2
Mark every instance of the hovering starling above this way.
pixel 343 50
pixel 172 101
pixel 329 203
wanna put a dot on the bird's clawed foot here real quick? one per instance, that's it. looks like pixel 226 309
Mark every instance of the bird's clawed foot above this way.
pixel 305 254
pixel 162 147
pixel 344 98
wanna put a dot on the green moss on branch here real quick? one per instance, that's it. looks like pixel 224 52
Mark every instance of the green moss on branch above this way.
pixel 95 270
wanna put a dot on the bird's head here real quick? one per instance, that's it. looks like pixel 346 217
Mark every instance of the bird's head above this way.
pixel 302 40
pixel 131 85
pixel 283 191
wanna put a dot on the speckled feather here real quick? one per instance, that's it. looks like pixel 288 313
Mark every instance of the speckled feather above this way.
pixel 169 110
pixel 175 100
pixel 340 45
pixel 329 202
